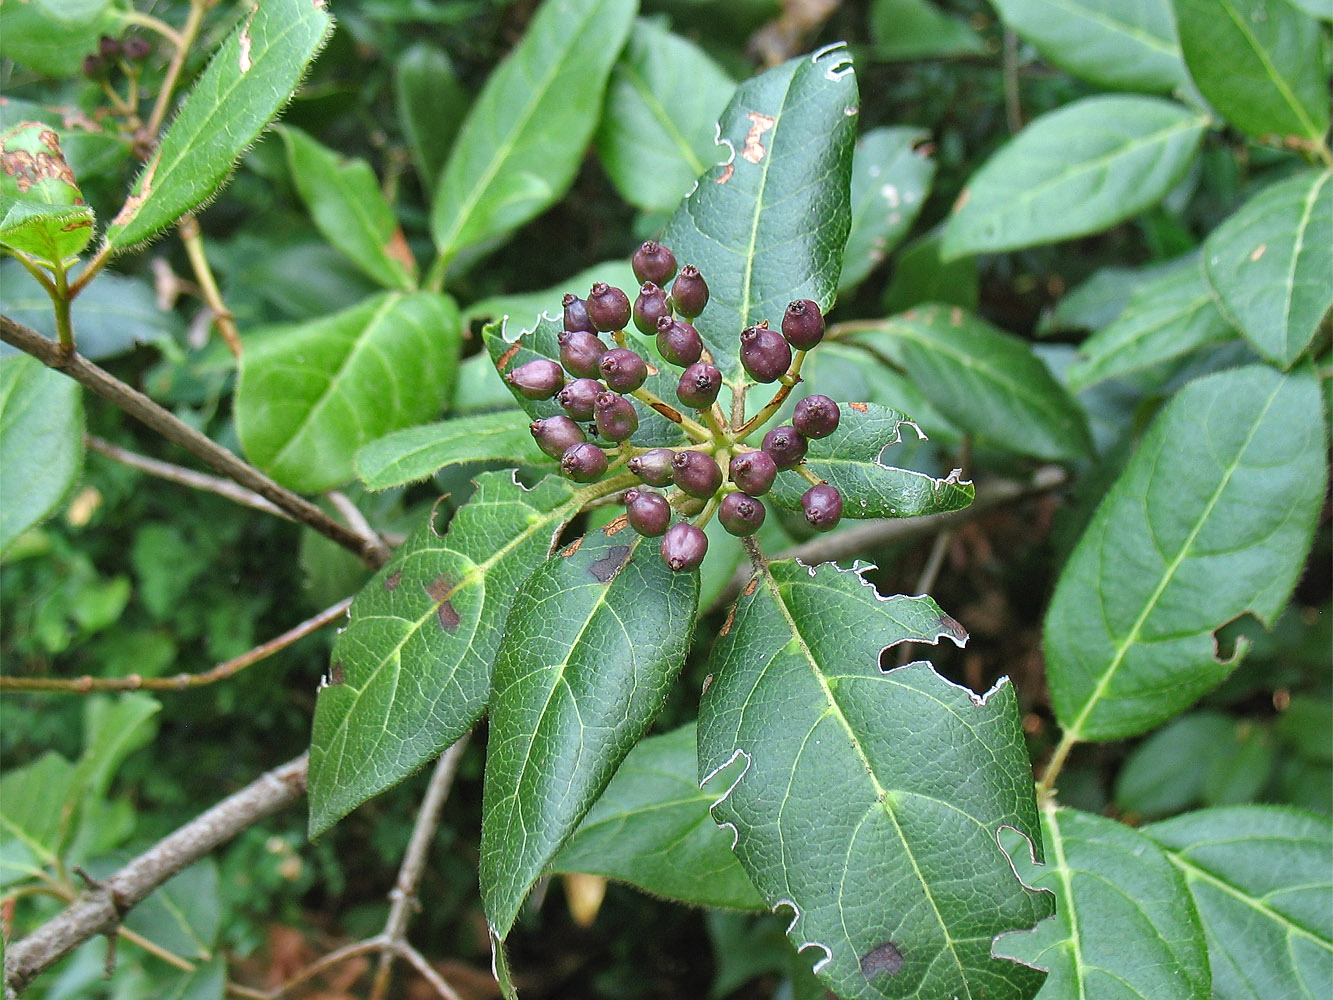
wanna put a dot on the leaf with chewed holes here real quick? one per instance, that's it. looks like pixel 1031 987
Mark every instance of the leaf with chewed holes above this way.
pixel 591 648
pixel 850 459
pixel 869 802
pixel 411 671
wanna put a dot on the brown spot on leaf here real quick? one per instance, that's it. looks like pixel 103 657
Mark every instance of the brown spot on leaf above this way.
pixel 440 590
pixel 135 201
pixel 28 168
pixel 397 249
pixel 604 570
pixel 725 176
pixel 572 547
pixel 503 360
pixel 882 958
pixel 1258 252
pixel 962 199
pixel 950 627
pixel 955 316
pixel 616 526
pixel 752 586
pixel 759 124
pixel 726 625
pixel 336 674
pixel 245 62
pixel 392 580
pixel 859 407
pixel 708 682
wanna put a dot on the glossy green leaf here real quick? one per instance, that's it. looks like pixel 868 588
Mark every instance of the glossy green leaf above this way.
pixel 591 646
pixel 41 207
pixel 1074 171
pixel 1260 877
pixel 1118 45
pixel 311 395
pixel 431 103
pixel 1166 317
pixel 51 36
pixel 37 800
pixel 921 275
pixel 51 233
pixel 987 382
pixel 412 669
pixel 1269 265
pixel 207 981
pixel 343 197
pixel 1260 63
pixel 658 129
pixel 416 453
pixel 184 914
pixel 652 829
pixel 918 29
pixel 654 429
pixel 112 730
pixel 1211 518
pixel 1240 767
pixel 41 443
pixel 1125 927
pixel 891 177
pixel 1322 9
pixel 1165 774
pixel 747 225
pixel 523 140
pixel 851 458
pixel 864 801
pixel 245 84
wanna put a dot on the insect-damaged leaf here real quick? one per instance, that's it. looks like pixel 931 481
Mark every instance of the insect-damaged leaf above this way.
pixel 41 207
pixel 592 645
pixel 870 803
pixel 411 671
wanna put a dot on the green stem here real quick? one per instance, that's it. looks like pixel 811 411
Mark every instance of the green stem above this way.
pixel 60 298
pixel 434 281
pixel 789 382
pixel 1047 786
pixel 693 428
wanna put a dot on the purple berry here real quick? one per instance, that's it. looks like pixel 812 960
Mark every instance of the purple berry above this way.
pixel 616 417
pixel 576 313
pixel 556 434
pixel 580 351
pixel 696 473
pixel 823 506
pixel 765 355
pixel 137 49
pixel 689 292
pixel 608 307
pixel 653 262
pixel 94 67
pixel 785 446
pixel 803 324
pixel 539 379
pixel 678 342
pixel 699 385
pixel 816 416
pixel 648 513
pixel 654 466
pixel 624 370
pixel 741 514
pixel 649 307
pixel 108 47
pixel 753 472
pixel 684 547
pixel 578 397
pixel 583 462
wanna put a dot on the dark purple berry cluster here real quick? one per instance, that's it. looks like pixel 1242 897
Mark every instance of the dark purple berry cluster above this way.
pixel 717 473
pixel 112 51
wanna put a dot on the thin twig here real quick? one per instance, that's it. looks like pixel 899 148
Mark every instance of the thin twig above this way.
pixel 171 427
pixel 351 513
pixel 403 897
pixel 925 582
pixel 101 912
pixel 1013 108
pixel 193 239
pixel 186 477
pixel 186 38
pixel 180 682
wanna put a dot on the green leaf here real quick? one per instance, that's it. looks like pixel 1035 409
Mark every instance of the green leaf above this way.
pixel 1260 879
pixel 1307 728
pixel 1211 518
pixel 38 801
pixel 431 103
pixel 850 459
pixel 51 233
pixel 312 394
pixel 891 177
pixel 921 275
pixel 1241 767
pixel 1125 927
pixel 41 207
pixel 987 382
pixel 747 226
pixel 416 453
pixel 861 800
pixel 1269 265
pixel 1117 45
pixel 523 140
pixel 51 36
pixel 41 443
pixel 525 308
pixel 1074 171
pixel 1316 8
pixel 1165 773
pixel 412 669
pixel 112 730
pixel 657 133
pixel 917 29
pixel 344 199
pixel 245 84
pixel 208 981
pixel 592 645
pixel 1166 317
pixel 184 914
pixel 652 829
pixel 654 429
pixel 1260 63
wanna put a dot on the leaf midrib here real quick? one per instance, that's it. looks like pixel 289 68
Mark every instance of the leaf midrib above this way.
pixel 1065 873
pixel 1147 39
pixel 1289 286
pixel 664 120
pixel 1279 81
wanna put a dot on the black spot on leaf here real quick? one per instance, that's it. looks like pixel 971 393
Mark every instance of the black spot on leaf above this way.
pixel 336 675
pixel 440 590
pixel 882 958
pixel 605 568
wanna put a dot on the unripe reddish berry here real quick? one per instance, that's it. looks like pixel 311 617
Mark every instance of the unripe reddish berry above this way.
pixel 753 472
pixel 689 292
pixel 137 49
pixel 699 385
pixel 765 355
pixel 576 313
pixel 583 462
pixel 741 514
pixel 684 547
pixel 678 342
pixel 653 262
pixel 108 47
pixel 696 473
pixel 554 435
pixel 648 513
pixel 785 446
pixel 615 415
pixel 578 397
pixel 624 370
pixel 803 324
pixel 816 416
pixel 822 506
pixel 650 306
pixel 580 351
pixel 608 307
pixel 538 379
pixel 654 466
